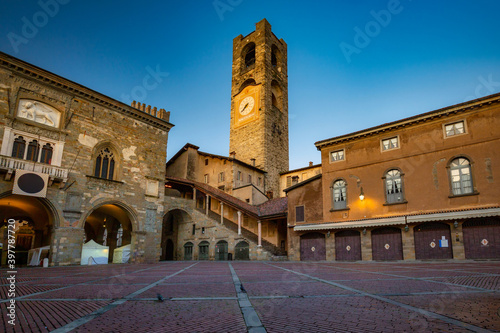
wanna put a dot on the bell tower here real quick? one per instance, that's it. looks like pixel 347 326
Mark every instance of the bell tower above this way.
pixel 259 103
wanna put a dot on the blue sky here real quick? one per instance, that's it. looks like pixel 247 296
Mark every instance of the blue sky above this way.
pixel 351 64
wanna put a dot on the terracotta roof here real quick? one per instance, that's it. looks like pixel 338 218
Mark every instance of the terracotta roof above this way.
pixel 491 99
pixel 278 206
pixel 270 208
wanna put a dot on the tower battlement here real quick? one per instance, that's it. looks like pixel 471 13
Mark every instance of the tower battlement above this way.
pixel 161 113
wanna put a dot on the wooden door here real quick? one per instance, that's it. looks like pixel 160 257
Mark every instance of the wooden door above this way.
pixel 387 244
pixel 347 245
pixel 433 241
pixel 312 246
pixel 482 238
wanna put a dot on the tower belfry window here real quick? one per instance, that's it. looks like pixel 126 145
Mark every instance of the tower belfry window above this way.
pixel 249 55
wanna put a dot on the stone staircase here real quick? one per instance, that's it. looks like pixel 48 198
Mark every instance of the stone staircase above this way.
pixel 273 250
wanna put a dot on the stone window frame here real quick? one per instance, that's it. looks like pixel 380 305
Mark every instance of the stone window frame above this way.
pixel 445 132
pixel 470 167
pixel 221 177
pixel 388 200
pixel 248 64
pixel 330 154
pixel 10 135
pixel 98 148
pixel 338 207
pixel 398 142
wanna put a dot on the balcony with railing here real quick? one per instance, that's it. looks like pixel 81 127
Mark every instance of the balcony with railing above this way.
pixel 11 164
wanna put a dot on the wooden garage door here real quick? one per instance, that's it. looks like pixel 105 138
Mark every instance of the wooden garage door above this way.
pixel 482 238
pixel 387 244
pixel 312 246
pixel 433 241
pixel 347 245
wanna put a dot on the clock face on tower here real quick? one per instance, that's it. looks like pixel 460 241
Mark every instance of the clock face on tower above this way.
pixel 246 105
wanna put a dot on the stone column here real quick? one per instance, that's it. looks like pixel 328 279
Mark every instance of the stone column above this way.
pixel 206 205
pixel 259 230
pixel 457 241
pixel 194 197
pixel 221 213
pixel 366 245
pixel 239 223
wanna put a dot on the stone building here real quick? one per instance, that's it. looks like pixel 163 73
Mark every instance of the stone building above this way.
pixel 424 187
pixel 259 103
pixel 77 165
pixel 239 179
pixel 293 177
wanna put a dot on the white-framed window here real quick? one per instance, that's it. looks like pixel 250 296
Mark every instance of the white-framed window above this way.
pixel 221 177
pixel 390 143
pixel 394 186
pixel 453 129
pixel 337 155
pixel 460 176
pixel 339 194
pixel 205 178
pixel 27 146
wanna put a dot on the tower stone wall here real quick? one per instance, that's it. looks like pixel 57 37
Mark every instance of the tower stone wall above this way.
pixel 264 135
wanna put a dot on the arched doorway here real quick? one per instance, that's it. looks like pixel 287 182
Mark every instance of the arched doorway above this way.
pixel 203 249
pixel 482 238
pixel 109 225
pixel 34 221
pixel 242 251
pixel 188 251
pixel 387 244
pixel 347 245
pixel 173 221
pixel 221 250
pixel 433 241
pixel 312 246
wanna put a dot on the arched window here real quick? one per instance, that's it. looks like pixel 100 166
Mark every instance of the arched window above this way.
pixel 249 55
pixel 33 149
pixel 394 186
pixel 275 56
pixel 460 176
pixel 276 95
pixel 105 164
pixel 46 154
pixel 19 147
pixel 249 82
pixel 339 194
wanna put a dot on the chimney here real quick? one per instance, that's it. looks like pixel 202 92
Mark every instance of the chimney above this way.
pixel 310 164
pixel 232 155
pixel 253 161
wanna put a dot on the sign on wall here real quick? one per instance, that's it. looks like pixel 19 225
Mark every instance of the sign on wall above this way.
pixel 30 183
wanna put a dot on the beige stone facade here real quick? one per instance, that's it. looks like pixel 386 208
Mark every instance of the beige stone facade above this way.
pixel 296 176
pixel 103 176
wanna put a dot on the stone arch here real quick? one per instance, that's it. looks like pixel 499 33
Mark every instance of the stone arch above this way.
pixel 36 219
pixel 176 221
pixel 276 95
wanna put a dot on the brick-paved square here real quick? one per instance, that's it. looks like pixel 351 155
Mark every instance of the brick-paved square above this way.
pixel 286 297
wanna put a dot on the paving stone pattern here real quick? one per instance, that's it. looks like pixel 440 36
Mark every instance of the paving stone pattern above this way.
pixel 285 296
